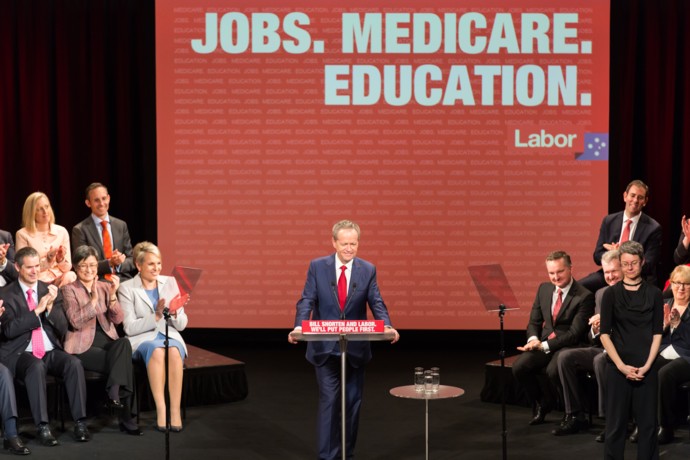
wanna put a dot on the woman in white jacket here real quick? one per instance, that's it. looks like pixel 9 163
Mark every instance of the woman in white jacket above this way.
pixel 143 299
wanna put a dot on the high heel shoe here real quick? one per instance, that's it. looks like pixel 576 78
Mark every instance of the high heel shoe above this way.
pixel 134 432
pixel 176 429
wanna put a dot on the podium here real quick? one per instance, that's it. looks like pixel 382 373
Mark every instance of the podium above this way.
pixel 343 339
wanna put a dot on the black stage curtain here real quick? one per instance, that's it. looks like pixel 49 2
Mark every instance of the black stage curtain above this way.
pixel 77 104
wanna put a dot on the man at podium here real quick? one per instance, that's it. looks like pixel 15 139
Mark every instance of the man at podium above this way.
pixel 339 286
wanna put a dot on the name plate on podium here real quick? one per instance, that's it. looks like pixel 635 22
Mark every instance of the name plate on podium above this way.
pixel 342 327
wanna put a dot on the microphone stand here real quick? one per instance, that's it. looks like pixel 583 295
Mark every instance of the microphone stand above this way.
pixel 166 387
pixel 502 354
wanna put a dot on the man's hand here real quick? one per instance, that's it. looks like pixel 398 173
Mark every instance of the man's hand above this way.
pixel 2 308
pixel 117 259
pixel 595 322
pixel 534 344
pixel 396 336
pixel 612 246
pixel 291 337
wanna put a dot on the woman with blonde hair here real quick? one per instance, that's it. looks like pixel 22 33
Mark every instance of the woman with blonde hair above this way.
pixel 40 232
pixel 143 300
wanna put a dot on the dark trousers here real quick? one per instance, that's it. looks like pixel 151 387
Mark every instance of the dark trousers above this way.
pixel 32 371
pixel 328 420
pixel 570 362
pixel 526 370
pixel 671 374
pixel 114 359
pixel 642 396
pixel 8 401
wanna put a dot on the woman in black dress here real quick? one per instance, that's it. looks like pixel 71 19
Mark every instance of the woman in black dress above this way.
pixel 632 315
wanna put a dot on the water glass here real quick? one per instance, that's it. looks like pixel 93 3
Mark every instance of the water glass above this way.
pixel 428 382
pixel 419 379
pixel 435 379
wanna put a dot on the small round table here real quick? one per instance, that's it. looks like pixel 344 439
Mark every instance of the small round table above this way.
pixel 444 392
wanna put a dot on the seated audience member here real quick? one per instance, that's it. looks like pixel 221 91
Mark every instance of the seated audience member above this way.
pixel 32 327
pixel 590 358
pixel 631 326
pixel 558 320
pixel 681 255
pixel 629 224
pixel 50 240
pixel 7 271
pixel 144 325
pixel 8 407
pixel 108 234
pixel 93 312
pixel 674 359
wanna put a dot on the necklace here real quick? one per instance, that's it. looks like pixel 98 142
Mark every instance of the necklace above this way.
pixel 634 284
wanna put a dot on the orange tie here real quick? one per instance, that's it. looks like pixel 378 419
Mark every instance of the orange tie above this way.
pixel 107 245
pixel 626 232
pixel 556 309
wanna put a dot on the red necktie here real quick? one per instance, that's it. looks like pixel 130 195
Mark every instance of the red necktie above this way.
pixel 107 245
pixel 626 231
pixel 342 287
pixel 556 310
pixel 37 346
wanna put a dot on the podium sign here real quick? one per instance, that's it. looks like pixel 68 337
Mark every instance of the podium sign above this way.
pixel 342 327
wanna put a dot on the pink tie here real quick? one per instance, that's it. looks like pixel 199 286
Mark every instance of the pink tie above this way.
pixel 626 232
pixel 342 288
pixel 37 345
pixel 556 310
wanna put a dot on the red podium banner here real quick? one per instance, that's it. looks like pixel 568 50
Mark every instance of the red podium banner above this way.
pixel 342 326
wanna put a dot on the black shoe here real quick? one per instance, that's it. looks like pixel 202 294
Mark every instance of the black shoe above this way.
pixel 16 446
pixel 176 429
pixel 159 428
pixel 81 432
pixel 635 434
pixel 601 437
pixel 45 437
pixel 665 435
pixel 539 417
pixel 115 407
pixel 570 425
pixel 134 432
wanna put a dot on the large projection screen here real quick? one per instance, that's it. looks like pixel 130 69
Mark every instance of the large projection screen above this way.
pixel 459 135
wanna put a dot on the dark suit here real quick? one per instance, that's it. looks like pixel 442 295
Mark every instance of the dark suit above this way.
pixel 591 359
pixel 320 302
pixel 10 272
pixel 86 233
pixel 647 233
pixel 570 328
pixel 17 324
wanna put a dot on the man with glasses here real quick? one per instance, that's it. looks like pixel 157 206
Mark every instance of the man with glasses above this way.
pixel 631 224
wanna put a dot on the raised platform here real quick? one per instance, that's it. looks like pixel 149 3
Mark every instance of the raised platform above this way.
pixel 496 379
pixel 209 378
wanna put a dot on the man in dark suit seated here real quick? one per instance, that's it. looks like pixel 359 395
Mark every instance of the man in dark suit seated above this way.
pixel 7 271
pixel 32 325
pixel 590 358
pixel 558 320
pixel 629 224
pixel 339 286
pixel 108 234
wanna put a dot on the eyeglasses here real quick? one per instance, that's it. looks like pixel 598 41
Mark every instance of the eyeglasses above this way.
pixel 85 267
pixel 679 285
pixel 634 263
